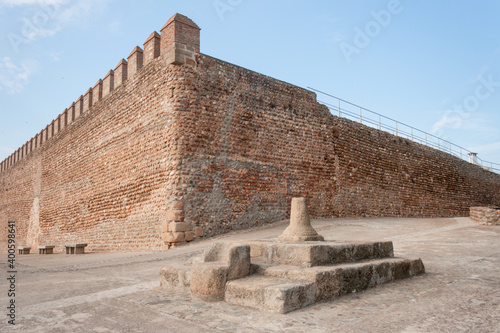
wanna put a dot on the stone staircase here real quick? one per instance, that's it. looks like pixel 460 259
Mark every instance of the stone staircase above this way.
pixel 285 276
pixel 283 288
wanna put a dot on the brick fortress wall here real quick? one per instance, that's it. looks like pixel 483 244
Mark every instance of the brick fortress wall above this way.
pixel 105 171
pixel 252 142
pixel 173 139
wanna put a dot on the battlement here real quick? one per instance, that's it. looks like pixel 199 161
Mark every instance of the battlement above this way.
pixel 178 43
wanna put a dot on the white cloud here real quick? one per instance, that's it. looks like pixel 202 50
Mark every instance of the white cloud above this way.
pixel 449 119
pixel 45 18
pixel 13 77
pixel 459 120
pixel 80 11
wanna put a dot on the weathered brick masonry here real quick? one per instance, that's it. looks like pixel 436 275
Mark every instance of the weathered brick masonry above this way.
pixel 172 128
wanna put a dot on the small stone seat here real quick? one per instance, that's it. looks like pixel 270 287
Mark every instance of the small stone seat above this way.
pixel 24 249
pixel 75 248
pixel 46 249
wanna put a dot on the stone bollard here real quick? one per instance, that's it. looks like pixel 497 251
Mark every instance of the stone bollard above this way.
pixel 300 228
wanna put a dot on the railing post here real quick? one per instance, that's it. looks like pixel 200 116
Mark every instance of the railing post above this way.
pixel 439 147
pixel 339 108
pixel 379 123
pixel 450 147
pixel 396 128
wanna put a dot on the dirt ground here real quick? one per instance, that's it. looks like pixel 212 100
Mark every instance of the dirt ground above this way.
pixel 118 292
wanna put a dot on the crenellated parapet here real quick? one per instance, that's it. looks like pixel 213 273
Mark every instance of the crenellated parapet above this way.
pixel 178 43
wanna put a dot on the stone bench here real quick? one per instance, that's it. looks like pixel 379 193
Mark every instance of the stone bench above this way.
pixel 46 249
pixel 75 248
pixel 24 249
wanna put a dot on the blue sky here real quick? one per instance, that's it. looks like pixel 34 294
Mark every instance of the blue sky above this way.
pixel 433 65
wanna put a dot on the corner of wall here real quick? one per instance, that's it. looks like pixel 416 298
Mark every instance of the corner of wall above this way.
pixel 180 40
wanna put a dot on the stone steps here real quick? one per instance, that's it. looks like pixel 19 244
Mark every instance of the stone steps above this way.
pixel 270 293
pixel 286 288
pixel 308 254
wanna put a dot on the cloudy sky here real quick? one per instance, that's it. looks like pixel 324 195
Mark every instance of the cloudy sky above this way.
pixel 432 65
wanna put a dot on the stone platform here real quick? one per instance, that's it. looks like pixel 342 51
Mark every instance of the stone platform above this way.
pixel 285 276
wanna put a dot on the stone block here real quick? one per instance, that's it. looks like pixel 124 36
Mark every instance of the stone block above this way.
pixel 239 262
pixel 177 237
pixel 198 232
pixel 177 205
pixel 167 237
pixel 173 237
pixel 179 226
pixel 277 295
pixel 164 226
pixel 188 236
pixel 176 215
pixel 208 280
pixel 234 255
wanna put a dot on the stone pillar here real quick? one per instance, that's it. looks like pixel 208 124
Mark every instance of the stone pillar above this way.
pixel 300 228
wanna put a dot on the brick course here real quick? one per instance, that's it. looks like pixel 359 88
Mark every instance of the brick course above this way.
pixel 228 146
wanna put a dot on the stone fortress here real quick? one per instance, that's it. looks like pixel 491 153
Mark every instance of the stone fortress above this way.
pixel 173 144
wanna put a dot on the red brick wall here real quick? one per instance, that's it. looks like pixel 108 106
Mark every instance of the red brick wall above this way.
pixel 251 143
pixel 108 178
pixel 20 189
pixel 233 145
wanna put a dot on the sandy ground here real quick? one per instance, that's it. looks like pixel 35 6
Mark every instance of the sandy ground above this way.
pixel 118 292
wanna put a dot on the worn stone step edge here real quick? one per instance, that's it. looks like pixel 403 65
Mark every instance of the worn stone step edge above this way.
pixel 309 254
pixel 268 293
pixel 303 287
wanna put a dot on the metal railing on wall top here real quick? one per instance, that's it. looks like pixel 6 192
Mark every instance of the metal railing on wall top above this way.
pixel 348 110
